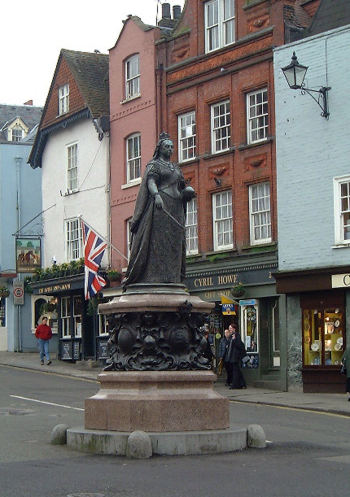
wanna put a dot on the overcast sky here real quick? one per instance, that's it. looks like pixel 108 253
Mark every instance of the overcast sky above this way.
pixel 32 34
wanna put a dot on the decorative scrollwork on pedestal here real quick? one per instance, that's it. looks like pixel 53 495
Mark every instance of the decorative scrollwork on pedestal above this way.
pixel 157 341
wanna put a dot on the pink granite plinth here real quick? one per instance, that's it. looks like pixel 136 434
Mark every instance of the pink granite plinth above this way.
pixel 152 401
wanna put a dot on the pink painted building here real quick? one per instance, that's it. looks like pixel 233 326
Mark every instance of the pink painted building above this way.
pixel 133 79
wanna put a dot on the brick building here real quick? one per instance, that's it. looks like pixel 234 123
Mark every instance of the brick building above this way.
pixel 209 84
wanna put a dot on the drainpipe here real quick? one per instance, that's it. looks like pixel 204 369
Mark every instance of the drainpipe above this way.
pixel 18 161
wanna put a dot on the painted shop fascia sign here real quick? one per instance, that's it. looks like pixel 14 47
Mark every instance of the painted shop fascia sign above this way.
pixel 341 280
pixel 55 288
pixel 227 280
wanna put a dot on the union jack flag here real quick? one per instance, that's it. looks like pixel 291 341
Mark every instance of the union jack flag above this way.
pixel 94 248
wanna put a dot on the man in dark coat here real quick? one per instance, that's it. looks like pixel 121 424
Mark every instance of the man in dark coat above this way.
pixel 223 354
pixel 235 354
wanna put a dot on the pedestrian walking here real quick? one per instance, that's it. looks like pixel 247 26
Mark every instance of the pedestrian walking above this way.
pixel 236 353
pixel 44 334
pixel 224 345
pixel 346 364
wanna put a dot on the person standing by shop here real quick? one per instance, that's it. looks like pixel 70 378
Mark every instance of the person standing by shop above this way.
pixel 235 354
pixel 223 354
pixel 346 363
pixel 44 334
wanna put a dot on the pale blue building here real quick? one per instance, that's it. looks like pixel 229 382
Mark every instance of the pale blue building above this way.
pixel 313 184
pixel 20 202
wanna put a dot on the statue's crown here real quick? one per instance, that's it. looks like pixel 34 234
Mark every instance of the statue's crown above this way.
pixel 164 136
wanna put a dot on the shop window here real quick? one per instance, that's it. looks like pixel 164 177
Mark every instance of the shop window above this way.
pixel 257 116
pixel 77 315
pixel 102 325
pixel 250 332
pixel 191 227
pixel 187 136
pixel 2 312
pixel 219 18
pixel 323 336
pixel 132 77
pixel 220 127
pixel 65 317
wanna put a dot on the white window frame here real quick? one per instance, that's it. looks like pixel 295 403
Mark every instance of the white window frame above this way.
pixel 14 136
pixel 219 24
pixel 65 317
pixel 133 161
pixel 128 237
pixel 72 167
pixel 339 211
pixel 257 116
pixel 222 223
pixel 187 136
pixel 132 77
pixel 220 127
pixel 191 227
pixel 63 99
pixel 102 325
pixel 260 212
pixel 74 239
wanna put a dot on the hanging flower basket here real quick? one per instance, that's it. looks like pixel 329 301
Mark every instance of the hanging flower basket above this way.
pixel 4 292
pixel 238 290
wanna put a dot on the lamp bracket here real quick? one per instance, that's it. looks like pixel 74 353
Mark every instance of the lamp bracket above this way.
pixel 323 95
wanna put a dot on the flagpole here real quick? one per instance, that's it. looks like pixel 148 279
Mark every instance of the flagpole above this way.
pixel 104 239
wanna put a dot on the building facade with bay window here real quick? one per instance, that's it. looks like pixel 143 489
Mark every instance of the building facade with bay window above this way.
pixel 313 173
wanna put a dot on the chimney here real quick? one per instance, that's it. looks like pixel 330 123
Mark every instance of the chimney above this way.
pixel 176 12
pixel 29 102
pixel 166 11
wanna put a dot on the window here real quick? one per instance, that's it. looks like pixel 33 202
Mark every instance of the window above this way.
pixel 17 134
pixel 219 19
pixel 65 317
pixel 132 77
pixel 222 220
pixel 250 332
pixel 187 136
pixel 102 325
pixel 77 315
pixel 128 237
pixel 220 126
pixel 72 167
pixel 342 210
pixel 2 312
pixel 260 213
pixel 257 116
pixel 73 239
pixel 63 99
pixel 191 228
pixel 133 157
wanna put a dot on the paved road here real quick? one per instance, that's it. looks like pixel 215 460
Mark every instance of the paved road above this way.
pixel 309 455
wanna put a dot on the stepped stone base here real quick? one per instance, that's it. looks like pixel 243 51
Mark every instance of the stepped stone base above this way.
pixel 157 401
pixel 170 444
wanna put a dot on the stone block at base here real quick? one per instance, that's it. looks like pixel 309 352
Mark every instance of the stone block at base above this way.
pixel 169 444
pixel 157 401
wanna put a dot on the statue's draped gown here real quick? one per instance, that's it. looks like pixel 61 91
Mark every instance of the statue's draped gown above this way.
pixel 158 247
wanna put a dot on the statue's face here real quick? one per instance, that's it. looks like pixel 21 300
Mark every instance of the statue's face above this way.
pixel 166 148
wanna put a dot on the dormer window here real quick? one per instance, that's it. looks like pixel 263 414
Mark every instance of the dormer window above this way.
pixel 132 77
pixel 17 130
pixel 63 99
pixel 17 134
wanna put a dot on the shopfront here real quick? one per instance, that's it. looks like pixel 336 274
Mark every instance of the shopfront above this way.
pixel 321 304
pixel 256 313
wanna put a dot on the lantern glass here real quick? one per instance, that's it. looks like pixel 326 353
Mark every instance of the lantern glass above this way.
pixel 295 73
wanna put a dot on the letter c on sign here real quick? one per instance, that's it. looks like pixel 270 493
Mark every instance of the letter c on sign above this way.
pixel 346 280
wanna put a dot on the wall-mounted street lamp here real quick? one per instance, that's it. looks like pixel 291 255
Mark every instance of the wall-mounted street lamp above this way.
pixel 295 74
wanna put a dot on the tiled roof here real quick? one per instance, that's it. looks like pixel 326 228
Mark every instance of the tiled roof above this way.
pixel 8 113
pixel 330 14
pixel 90 71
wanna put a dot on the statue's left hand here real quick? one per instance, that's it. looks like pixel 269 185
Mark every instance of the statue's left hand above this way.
pixel 158 201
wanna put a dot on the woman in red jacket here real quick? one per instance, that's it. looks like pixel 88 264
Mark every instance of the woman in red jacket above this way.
pixel 44 334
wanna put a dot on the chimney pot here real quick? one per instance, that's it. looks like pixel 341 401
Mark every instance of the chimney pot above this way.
pixel 166 11
pixel 176 11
